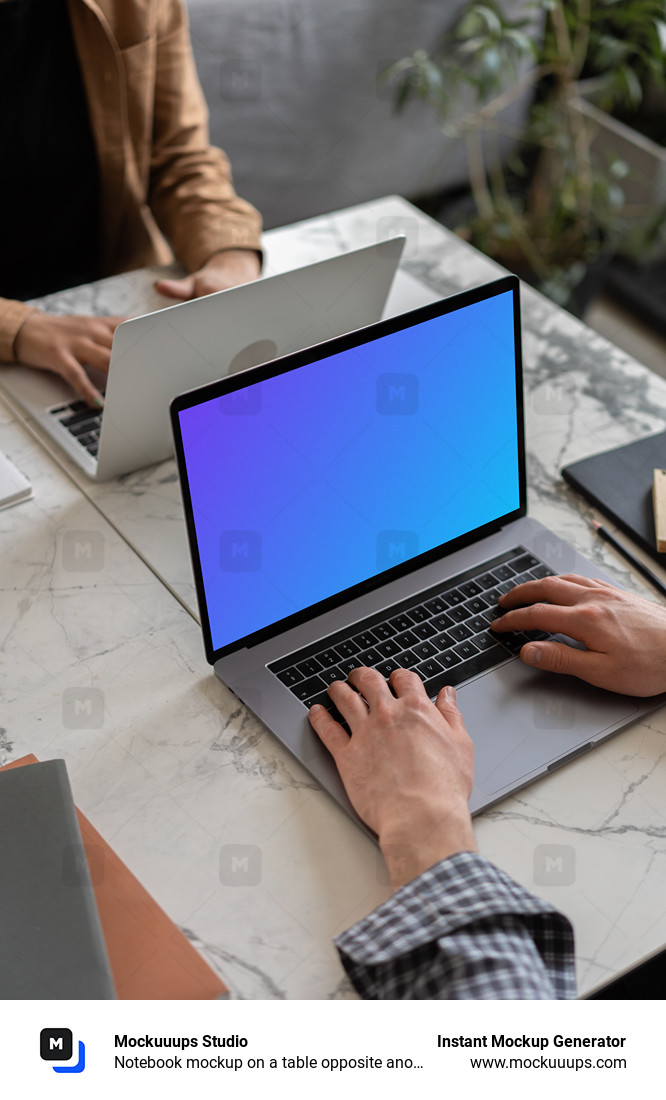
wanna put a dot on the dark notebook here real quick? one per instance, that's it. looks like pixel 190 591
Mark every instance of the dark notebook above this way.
pixel 619 484
pixel 51 943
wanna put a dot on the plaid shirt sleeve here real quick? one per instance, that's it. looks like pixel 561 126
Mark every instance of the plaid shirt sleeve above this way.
pixel 461 930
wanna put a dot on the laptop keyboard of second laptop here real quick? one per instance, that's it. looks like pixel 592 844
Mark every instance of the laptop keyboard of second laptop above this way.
pixel 442 634
pixel 82 421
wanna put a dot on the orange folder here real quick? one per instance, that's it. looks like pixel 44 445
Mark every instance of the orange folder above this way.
pixel 150 957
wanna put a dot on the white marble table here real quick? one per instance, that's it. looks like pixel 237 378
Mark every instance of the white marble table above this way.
pixel 103 665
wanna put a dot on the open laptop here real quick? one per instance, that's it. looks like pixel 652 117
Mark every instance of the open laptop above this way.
pixel 364 502
pixel 160 354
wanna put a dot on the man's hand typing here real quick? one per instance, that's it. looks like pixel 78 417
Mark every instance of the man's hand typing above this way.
pixel 407 767
pixel 624 635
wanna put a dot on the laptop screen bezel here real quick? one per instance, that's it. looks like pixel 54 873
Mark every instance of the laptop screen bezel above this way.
pixel 298 359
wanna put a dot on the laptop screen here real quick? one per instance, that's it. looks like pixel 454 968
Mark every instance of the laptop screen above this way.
pixel 385 446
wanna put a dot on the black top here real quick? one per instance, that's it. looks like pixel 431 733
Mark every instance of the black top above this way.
pixel 49 184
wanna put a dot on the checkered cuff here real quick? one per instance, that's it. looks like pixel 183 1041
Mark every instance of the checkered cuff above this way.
pixel 463 929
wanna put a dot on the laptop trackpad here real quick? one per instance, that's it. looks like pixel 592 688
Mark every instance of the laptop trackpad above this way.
pixel 522 720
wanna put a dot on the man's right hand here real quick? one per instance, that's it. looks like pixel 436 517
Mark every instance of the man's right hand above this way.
pixel 67 345
pixel 624 635
pixel 407 767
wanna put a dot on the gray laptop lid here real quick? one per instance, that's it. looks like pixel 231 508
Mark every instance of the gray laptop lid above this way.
pixel 51 943
pixel 160 354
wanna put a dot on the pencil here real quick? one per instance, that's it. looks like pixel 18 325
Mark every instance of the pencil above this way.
pixel 628 556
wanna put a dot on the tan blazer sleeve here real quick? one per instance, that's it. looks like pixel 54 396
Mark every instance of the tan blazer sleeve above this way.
pixel 12 316
pixel 191 194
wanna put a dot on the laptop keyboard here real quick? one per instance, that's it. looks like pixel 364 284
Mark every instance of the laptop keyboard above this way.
pixel 83 422
pixel 442 634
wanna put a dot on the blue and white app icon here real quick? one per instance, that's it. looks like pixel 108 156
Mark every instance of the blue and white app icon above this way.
pixel 56 1044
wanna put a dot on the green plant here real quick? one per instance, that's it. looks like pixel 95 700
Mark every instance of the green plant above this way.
pixel 555 204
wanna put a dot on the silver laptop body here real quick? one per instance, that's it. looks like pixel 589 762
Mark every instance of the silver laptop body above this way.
pixel 401 507
pixel 158 355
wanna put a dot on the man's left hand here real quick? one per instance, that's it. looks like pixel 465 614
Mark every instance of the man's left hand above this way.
pixel 225 269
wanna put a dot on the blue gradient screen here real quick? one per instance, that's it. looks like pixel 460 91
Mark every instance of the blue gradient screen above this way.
pixel 319 478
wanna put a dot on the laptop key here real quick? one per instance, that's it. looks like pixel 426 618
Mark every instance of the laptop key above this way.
pixel 484 641
pixel 492 595
pixel 453 596
pixel 503 572
pixel 459 614
pixel 407 639
pixel 436 605
pixel 442 641
pixel 323 700
pixel 383 631
pixel 387 667
pixel 308 688
pixel 428 669
pixel 407 659
pixel 506 586
pixel 541 571
pixel 349 665
pixel 459 632
pixel 328 658
pixel 330 675
pixel 425 630
pixel 476 624
pixel 425 649
pixel 348 648
pixel 442 621
pixel 470 588
pixel 388 648
pixel 527 561
pixel 487 580
pixel 476 605
pixel 309 668
pixel 419 614
pixel 522 577
pixel 83 427
pixel 513 642
pixel 402 622
pixel 448 659
pixel 289 676
pixel 465 650
pixel 370 657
